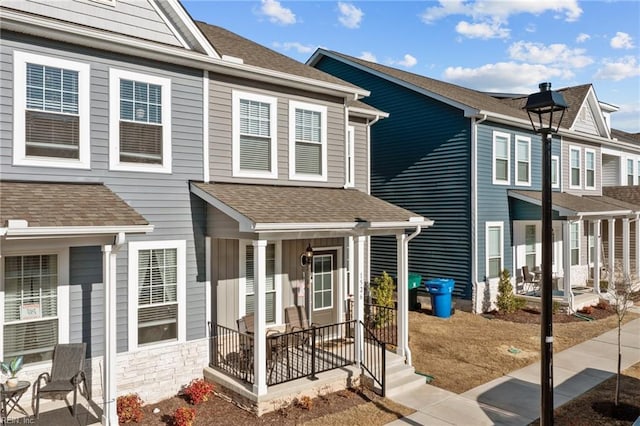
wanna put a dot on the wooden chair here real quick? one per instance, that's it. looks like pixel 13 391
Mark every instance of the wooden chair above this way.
pixel 67 374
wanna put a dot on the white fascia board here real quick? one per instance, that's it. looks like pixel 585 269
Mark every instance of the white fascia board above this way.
pixel 90 37
pixel 288 227
pixel 56 231
pixel 367 113
pixel 193 28
pixel 425 223
pixel 606 213
pixel 244 222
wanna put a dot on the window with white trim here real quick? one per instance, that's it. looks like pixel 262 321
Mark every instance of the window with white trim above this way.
pixel 307 141
pixel 630 172
pixel 574 241
pixel 591 241
pixel 254 134
pixel 530 241
pixel 501 157
pixel 523 159
pixel 157 275
pixel 271 293
pixel 574 167
pixel 555 171
pixel 638 171
pixel 589 169
pixel 51 112
pixel 495 252
pixel 30 307
pixel 322 282
pixel 351 157
pixel 139 122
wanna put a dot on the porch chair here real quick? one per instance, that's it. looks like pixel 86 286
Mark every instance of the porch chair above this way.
pixel 274 348
pixel 296 320
pixel 530 283
pixel 67 374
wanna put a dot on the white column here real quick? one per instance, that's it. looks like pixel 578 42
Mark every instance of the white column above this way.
pixel 260 318
pixel 597 236
pixel 403 296
pixel 626 247
pixel 109 414
pixel 637 254
pixel 612 252
pixel 358 282
pixel 566 261
pixel 207 284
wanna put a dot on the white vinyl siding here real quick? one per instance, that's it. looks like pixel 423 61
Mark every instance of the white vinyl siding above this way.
pixel 575 167
pixel 254 128
pixel 555 171
pixel 307 141
pixel 495 249
pixel 51 112
pixel 589 169
pixel 139 122
pixel 574 237
pixel 501 158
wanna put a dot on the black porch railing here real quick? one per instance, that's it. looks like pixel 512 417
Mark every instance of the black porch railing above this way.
pixel 231 352
pixel 381 321
pixel 374 358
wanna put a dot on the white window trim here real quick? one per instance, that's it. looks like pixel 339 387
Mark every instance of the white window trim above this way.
pixel 235 130
pixel 333 287
pixel 181 259
pixel 595 177
pixel 20 158
pixel 115 75
pixel 528 141
pixel 571 248
pixel 637 178
pixel 293 105
pixel 631 172
pixel 350 153
pixel 557 170
pixel 493 154
pixel 63 295
pixel 242 280
pixel 486 248
pixel 579 151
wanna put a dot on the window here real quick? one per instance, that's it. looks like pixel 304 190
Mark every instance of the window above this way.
pixel 591 241
pixel 501 158
pixel 51 112
pixel 574 236
pixel 157 297
pixel 555 171
pixel 322 282
pixel 254 135
pixel 350 156
pixel 530 246
pixel 574 159
pixel 307 141
pixel 630 172
pixel 140 122
pixel 638 171
pixel 589 169
pixel 270 290
pixel 31 320
pixel 494 249
pixel 523 156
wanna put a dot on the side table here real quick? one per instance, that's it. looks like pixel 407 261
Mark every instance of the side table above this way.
pixel 11 396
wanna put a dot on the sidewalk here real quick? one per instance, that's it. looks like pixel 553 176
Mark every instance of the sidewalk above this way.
pixel 514 399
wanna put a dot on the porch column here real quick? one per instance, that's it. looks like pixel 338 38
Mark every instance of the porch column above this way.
pixel 612 252
pixel 109 413
pixel 637 254
pixel 566 262
pixel 403 297
pixel 626 245
pixel 358 282
pixel 597 236
pixel 260 318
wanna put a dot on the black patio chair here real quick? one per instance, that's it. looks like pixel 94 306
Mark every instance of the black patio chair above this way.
pixel 67 374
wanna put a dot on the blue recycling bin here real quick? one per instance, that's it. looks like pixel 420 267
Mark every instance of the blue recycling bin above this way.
pixel 440 290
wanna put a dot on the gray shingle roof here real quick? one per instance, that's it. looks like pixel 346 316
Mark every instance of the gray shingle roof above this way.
pixel 627 194
pixel 298 204
pixel 64 204
pixel 623 136
pixel 580 204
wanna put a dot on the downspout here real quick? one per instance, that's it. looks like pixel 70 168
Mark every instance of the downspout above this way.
pixel 474 201
pixel 407 350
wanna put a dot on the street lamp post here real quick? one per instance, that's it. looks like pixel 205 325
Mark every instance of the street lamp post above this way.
pixel 305 260
pixel 541 107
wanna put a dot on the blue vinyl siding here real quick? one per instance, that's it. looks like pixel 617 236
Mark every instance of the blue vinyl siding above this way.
pixel 420 160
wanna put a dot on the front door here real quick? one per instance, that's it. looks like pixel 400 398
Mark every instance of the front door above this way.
pixel 324 297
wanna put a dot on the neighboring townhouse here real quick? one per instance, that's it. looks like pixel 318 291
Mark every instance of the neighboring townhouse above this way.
pixel 471 162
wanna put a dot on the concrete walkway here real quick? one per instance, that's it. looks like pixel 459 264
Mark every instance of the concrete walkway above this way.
pixel 515 398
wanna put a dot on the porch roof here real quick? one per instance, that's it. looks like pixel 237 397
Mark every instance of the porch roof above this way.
pixel 574 205
pixel 57 208
pixel 279 208
pixel 626 194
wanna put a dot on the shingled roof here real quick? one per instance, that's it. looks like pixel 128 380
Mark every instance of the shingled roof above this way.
pixel 623 136
pixel 628 194
pixel 46 204
pixel 579 205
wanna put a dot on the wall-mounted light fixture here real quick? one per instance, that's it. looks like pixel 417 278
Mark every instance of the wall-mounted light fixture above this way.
pixel 305 258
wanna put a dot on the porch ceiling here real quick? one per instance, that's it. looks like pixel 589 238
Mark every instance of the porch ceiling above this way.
pixel 279 208
pixel 574 206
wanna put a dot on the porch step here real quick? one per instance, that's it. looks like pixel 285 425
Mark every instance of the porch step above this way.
pixel 401 380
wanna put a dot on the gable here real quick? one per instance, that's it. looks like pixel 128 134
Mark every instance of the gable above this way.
pixel 585 122
pixel 588 117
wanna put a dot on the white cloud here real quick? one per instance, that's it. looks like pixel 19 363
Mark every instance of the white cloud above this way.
pixel 501 10
pixel 276 13
pixel 407 61
pixel 582 37
pixel 368 56
pixel 294 45
pixel 622 41
pixel 627 118
pixel 507 77
pixel 616 70
pixel 483 30
pixel 556 54
pixel 350 16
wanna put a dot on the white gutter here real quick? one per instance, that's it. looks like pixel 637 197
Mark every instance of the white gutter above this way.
pixel 56 231
pixel 407 350
pixel 474 196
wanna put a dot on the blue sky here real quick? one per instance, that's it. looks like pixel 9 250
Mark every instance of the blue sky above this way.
pixel 505 46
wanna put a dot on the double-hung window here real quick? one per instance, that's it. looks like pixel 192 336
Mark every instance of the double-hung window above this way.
pixel 494 249
pixel 51 112
pixel 307 141
pixel 555 171
pixel 156 303
pixel 575 167
pixel 254 128
pixel 501 158
pixel 630 172
pixel 589 169
pixel 140 122
pixel 272 284
pixel 530 237
pixel 574 241
pixel 523 156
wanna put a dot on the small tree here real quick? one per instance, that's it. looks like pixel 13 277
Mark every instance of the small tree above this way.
pixel 620 296
pixel 506 297
pixel 382 289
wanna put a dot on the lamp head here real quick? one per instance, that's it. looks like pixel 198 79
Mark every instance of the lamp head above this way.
pixel 542 106
pixel 305 258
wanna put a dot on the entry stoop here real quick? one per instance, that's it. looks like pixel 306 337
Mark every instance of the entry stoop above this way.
pixel 400 377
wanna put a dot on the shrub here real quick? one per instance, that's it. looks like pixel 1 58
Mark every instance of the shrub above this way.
pixel 603 304
pixel 129 408
pixel 383 288
pixel 198 391
pixel 184 416
pixel 587 310
pixel 305 402
pixel 506 299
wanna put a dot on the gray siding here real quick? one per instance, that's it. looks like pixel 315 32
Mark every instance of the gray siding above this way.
pixel 163 199
pixel 361 151
pixel 137 18
pixel 567 144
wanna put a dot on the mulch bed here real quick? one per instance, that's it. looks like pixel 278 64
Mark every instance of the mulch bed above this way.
pixel 533 315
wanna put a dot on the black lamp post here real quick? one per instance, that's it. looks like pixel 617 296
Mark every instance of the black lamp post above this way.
pixel 541 108
pixel 305 260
